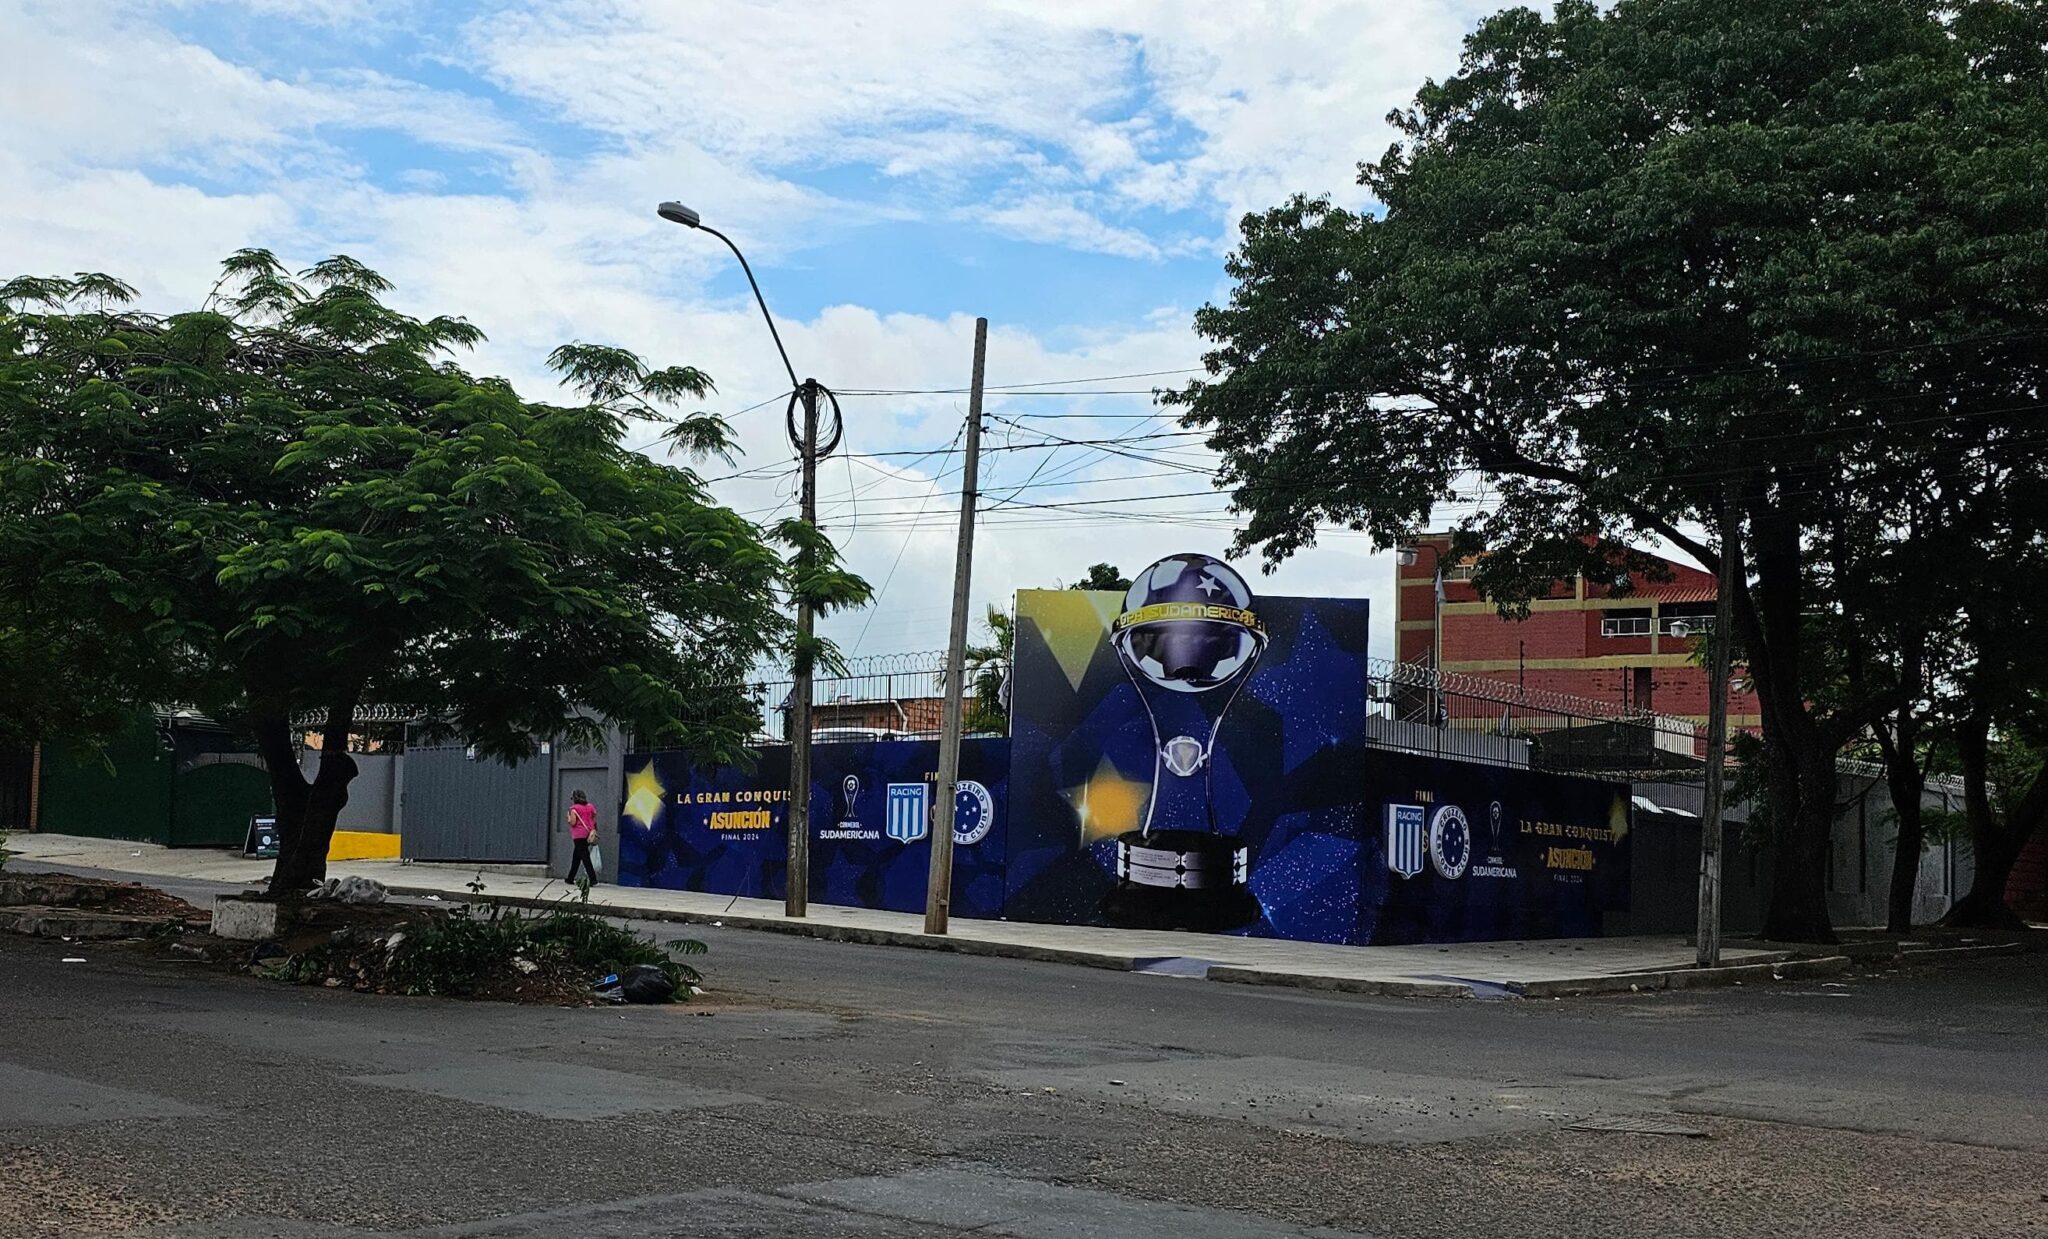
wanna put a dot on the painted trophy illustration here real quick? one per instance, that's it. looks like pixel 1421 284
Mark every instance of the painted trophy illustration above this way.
pixel 849 817
pixel 1188 639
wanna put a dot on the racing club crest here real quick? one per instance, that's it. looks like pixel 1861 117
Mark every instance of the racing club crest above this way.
pixel 909 811
pixel 1405 839
pixel 1450 842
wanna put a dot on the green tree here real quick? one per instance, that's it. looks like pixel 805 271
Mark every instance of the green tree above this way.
pixel 1704 271
pixel 1103 577
pixel 291 502
pixel 988 667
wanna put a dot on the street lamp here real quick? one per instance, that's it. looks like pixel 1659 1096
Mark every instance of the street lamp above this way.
pixel 804 438
pixel 1406 554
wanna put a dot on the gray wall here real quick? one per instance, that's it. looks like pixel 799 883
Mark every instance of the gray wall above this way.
pixel 1861 853
pixel 598 772
pixel 474 809
pixel 372 797
pixel 450 806
pixel 1664 862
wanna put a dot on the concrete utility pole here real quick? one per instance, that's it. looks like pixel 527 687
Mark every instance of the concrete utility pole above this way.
pixel 1718 642
pixel 939 882
pixel 796 899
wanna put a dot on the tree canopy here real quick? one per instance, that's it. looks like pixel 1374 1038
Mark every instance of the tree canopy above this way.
pixel 1103 577
pixel 1723 274
pixel 292 502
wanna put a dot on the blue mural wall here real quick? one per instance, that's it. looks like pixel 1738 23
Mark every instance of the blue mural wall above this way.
pixel 1183 756
pixel 723 831
pixel 1290 791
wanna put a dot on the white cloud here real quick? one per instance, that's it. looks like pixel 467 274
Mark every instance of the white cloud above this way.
pixel 1080 116
pixel 1143 104
pixel 1061 221
pixel 93 83
pixel 166 240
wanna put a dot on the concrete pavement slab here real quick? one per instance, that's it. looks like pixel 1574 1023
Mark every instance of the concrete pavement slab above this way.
pixel 1352 1103
pixel 967 1201
pixel 32 1098
pixel 555 1090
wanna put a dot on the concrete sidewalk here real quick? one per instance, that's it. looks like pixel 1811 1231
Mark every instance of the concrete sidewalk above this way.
pixel 1546 968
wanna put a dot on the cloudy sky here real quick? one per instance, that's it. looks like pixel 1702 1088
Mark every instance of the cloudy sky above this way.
pixel 893 168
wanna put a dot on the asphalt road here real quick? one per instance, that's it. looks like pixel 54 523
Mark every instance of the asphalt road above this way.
pixel 841 1090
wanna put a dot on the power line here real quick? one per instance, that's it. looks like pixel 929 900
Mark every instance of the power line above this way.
pixel 1023 388
pixel 729 416
pixel 875 604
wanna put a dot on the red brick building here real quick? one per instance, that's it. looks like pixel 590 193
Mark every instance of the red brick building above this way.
pixel 1633 649
pixel 903 715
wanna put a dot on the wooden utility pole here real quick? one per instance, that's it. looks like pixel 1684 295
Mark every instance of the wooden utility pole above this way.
pixel 796 900
pixel 1718 643
pixel 939 882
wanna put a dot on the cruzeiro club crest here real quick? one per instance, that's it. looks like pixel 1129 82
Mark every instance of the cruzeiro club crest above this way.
pixel 910 812
pixel 1450 842
pixel 974 813
pixel 1405 839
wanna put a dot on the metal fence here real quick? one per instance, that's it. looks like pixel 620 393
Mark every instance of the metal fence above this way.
pixel 885 695
pixel 1471 716
pixel 1413 709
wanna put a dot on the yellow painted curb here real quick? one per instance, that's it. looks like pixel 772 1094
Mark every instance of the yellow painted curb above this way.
pixel 362 845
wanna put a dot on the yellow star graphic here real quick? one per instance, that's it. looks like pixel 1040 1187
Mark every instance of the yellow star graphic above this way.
pixel 644 794
pixel 1107 804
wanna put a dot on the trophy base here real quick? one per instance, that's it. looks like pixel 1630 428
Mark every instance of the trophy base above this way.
pixel 1180 879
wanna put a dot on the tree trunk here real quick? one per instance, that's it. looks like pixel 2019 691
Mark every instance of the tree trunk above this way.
pixel 1799 776
pixel 1994 845
pixel 1905 792
pixel 1905 780
pixel 306 812
pixel 302 854
pixel 1799 858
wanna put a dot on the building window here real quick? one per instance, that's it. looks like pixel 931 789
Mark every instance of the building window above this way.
pixel 1626 624
pixel 1461 572
pixel 1694 625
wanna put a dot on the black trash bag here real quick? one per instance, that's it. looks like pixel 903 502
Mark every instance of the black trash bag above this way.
pixel 646 983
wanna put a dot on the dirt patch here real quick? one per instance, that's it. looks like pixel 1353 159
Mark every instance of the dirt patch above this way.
pixel 50 1201
pixel 555 958
pixel 118 898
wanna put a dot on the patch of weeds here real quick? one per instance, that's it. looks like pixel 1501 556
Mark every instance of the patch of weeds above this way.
pixel 500 953
pixel 593 942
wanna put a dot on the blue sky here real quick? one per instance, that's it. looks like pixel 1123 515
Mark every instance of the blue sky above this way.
pixel 1073 172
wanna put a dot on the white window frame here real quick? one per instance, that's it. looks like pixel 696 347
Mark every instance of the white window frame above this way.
pixel 1637 626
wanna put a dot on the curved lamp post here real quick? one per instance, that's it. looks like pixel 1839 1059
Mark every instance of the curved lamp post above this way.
pixel 807 394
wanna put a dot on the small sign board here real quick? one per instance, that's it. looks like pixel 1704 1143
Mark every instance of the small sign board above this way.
pixel 262 839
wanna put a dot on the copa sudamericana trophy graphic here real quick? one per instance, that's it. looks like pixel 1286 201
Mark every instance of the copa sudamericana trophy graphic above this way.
pixel 1188 639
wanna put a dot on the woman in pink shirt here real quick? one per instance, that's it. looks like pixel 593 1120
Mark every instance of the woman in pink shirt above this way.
pixel 582 832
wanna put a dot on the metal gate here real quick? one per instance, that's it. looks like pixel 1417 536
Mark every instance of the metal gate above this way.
pixel 17 787
pixel 457 807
